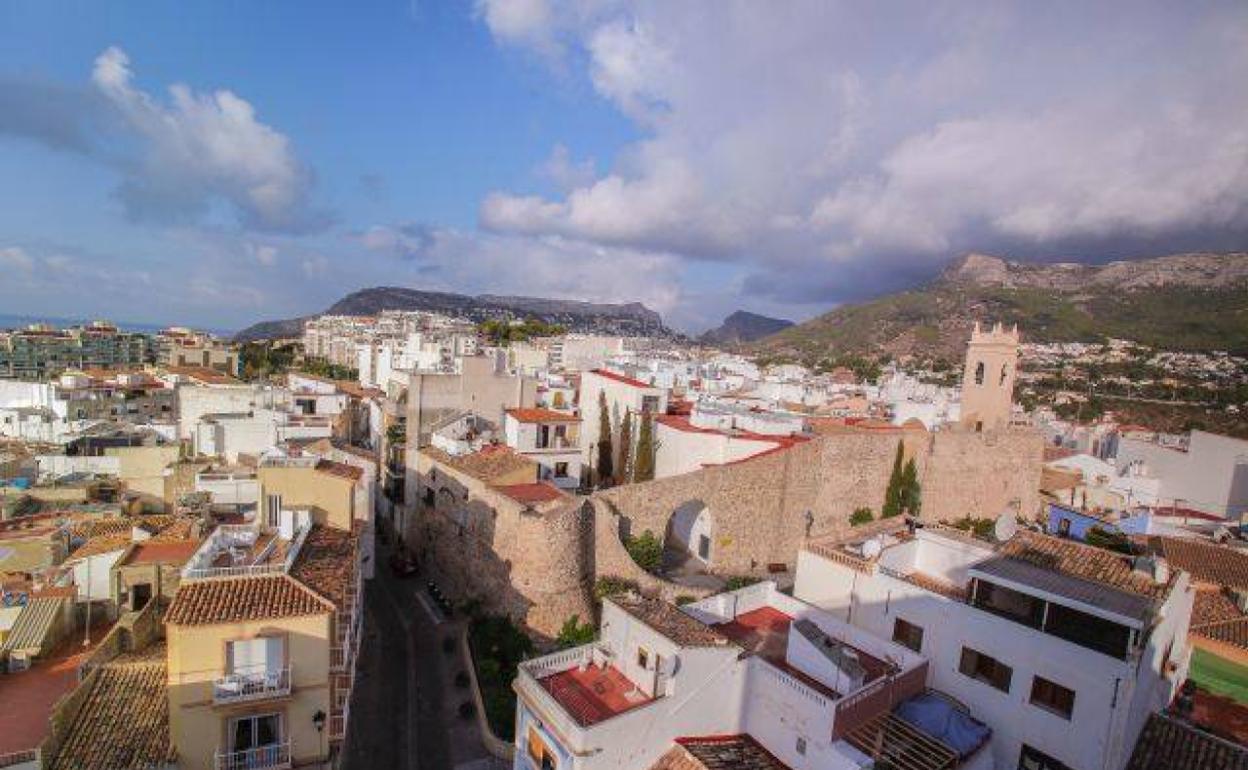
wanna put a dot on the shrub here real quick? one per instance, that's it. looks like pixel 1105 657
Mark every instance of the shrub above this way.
pixel 498 646
pixel 573 634
pixel 740 581
pixel 646 550
pixel 861 516
pixel 980 528
pixel 684 599
pixel 1111 541
pixel 609 585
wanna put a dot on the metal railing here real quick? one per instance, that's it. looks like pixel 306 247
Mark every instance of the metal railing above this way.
pixel 255 683
pixel 275 756
pixel 14 758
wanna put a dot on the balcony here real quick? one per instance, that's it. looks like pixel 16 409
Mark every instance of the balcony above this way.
pixel 251 685
pixel 272 757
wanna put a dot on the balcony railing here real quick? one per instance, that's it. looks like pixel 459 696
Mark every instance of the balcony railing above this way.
pixel 251 684
pixel 275 756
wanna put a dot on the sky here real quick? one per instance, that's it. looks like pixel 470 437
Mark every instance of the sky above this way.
pixel 220 163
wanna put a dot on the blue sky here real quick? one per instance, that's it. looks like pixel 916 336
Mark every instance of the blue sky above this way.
pixel 219 163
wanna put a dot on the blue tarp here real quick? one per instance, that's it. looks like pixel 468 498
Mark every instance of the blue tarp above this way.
pixel 938 718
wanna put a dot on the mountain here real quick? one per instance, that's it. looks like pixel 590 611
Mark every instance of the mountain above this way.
pixel 631 318
pixel 1196 302
pixel 743 326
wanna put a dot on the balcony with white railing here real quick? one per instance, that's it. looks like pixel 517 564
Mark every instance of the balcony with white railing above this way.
pixel 275 756
pixel 251 684
pixel 242 550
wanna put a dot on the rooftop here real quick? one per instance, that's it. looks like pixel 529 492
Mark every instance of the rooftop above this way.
pixel 231 600
pixel 727 752
pixel 530 494
pixel 1206 562
pixel 489 463
pixel 326 562
pixel 617 377
pixel 128 691
pixel 594 694
pixel 341 470
pixel 175 552
pixel 668 620
pixel 1166 743
pixel 538 415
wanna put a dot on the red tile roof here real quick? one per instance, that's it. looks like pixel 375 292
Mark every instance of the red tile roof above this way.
pixel 610 375
pixel 1081 561
pixel 341 470
pixel 230 600
pixel 326 562
pixel 537 414
pixel 594 694
pixel 540 492
pixel 1206 562
pixel 174 552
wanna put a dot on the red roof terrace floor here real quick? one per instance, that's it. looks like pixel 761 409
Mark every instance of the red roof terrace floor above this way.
pixel 765 632
pixel 28 697
pixel 595 694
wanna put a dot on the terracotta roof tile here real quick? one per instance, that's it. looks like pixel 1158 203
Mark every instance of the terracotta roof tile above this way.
pixel 341 470
pixel 538 414
pixel 124 722
pixel 175 552
pixel 1206 562
pixel 1167 744
pixel 730 752
pixel 540 492
pixel 486 465
pixel 1082 561
pixel 229 600
pixel 1214 606
pixel 101 544
pixel 326 562
pixel 670 621
pixel 616 376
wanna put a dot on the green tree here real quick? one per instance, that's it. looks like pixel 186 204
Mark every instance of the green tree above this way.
pixel 861 516
pixel 646 550
pixel 574 634
pixel 643 463
pixel 626 440
pixel 892 495
pixel 606 469
pixel 911 490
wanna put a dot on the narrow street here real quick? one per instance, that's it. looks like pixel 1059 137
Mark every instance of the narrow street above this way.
pixel 404 709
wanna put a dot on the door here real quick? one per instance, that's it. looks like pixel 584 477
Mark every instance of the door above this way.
pixel 704 548
pixel 140 595
pixel 255 741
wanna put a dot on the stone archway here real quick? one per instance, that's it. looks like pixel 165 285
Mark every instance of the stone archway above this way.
pixel 687 543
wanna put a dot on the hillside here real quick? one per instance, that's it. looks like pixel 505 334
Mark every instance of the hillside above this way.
pixel 1196 302
pixel 629 318
pixel 743 326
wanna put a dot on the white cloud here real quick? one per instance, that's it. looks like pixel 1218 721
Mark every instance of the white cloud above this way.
pixel 850 144
pixel 263 253
pixel 14 258
pixel 567 173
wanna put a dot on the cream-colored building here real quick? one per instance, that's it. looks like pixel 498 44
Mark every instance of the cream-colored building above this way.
pixel 988 381
pixel 262 639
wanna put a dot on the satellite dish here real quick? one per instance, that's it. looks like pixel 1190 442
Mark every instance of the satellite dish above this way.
pixel 1005 528
pixel 871 548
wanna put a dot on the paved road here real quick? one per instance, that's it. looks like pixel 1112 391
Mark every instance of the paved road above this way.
pixel 403 715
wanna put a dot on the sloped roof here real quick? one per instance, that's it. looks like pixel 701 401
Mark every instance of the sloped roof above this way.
pixel 670 621
pixel 1168 744
pixel 1206 562
pixel 539 414
pixel 124 722
pixel 35 625
pixel 1079 560
pixel 729 752
pixel 230 600
pixel 326 562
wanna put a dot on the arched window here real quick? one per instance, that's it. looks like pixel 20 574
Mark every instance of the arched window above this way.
pixel 979 373
pixel 1004 370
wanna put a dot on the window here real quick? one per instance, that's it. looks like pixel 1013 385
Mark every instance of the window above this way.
pixel 1063 528
pixel 1004 374
pixel 253 733
pixel 1089 631
pixel 561 470
pixel 643 657
pixel 979 373
pixel 259 656
pixel 273 511
pixel 986 669
pixel 1033 759
pixel 1052 697
pixel 539 753
pixel 1008 603
pixel 908 634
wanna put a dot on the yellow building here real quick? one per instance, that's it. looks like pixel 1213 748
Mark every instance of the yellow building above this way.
pixel 329 490
pixel 262 639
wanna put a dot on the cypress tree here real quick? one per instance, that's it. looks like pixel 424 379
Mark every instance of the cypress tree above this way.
pixel 606 469
pixel 910 489
pixel 643 463
pixel 893 495
pixel 626 440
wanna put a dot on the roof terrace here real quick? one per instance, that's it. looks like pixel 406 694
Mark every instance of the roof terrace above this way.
pixel 239 550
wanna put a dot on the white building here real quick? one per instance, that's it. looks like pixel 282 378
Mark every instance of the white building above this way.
pixel 774 676
pixel 1063 649
pixel 1210 476
pixel 622 393
pixel 715 437
pixel 549 438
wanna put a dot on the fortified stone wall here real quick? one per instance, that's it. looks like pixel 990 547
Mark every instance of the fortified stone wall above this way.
pixel 534 567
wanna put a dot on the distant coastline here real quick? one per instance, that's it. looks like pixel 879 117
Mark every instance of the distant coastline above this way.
pixel 19 321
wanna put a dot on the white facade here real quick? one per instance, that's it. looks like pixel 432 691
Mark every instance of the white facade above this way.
pixel 1211 476
pixel 622 393
pixel 1112 696
pixel 551 440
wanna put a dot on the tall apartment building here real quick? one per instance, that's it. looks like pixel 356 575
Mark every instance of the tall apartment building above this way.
pixel 41 351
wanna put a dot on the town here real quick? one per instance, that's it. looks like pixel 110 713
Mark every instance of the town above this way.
pixel 415 540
